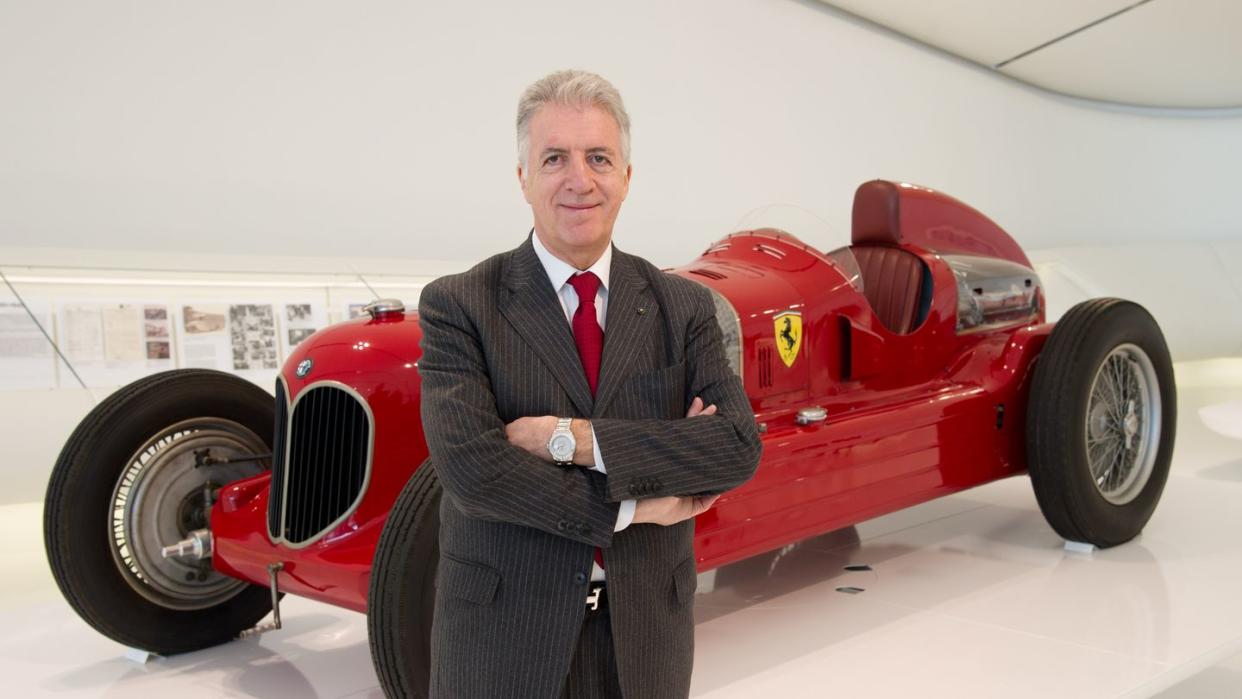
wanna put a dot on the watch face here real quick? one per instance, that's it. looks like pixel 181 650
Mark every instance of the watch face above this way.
pixel 562 447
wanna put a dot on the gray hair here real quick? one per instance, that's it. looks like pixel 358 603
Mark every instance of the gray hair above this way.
pixel 576 88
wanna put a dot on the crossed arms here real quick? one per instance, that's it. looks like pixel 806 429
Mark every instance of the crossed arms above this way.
pixel 679 464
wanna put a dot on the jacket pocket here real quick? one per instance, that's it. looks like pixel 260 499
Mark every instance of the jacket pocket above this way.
pixel 685 581
pixel 472 582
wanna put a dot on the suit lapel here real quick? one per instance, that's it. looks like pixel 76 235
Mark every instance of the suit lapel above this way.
pixel 631 309
pixel 530 304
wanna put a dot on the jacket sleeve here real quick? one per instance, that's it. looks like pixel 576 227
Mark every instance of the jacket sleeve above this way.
pixel 687 456
pixel 486 476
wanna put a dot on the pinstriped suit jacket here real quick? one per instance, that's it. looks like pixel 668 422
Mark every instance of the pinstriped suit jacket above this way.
pixel 517 533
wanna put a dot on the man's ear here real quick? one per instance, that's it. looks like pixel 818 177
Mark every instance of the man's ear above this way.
pixel 522 183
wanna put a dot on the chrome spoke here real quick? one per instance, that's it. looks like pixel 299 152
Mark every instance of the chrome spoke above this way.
pixel 1123 424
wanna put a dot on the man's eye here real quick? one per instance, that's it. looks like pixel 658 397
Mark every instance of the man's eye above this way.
pixel 598 159
pixel 552 159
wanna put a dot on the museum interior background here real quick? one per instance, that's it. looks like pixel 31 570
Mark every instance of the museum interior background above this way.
pixel 203 184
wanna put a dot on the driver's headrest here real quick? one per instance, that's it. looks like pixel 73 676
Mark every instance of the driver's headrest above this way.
pixel 877 214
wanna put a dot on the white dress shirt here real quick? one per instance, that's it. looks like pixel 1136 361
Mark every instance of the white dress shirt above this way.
pixel 559 273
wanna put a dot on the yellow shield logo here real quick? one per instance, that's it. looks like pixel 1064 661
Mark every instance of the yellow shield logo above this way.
pixel 788 335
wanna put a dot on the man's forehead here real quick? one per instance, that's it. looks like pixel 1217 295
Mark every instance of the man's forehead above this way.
pixel 562 126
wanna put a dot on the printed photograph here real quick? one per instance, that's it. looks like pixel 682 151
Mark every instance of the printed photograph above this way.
pixel 297 312
pixel 198 320
pixel 158 350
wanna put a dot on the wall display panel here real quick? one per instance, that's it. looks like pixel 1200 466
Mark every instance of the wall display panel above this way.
pixel 26 357
pixel 252 336
pixel 111 342
pixel 204 336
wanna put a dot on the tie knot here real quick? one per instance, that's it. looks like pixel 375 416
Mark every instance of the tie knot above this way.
pixel 586 284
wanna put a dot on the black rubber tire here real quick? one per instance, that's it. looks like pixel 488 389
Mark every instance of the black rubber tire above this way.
pixel 76 509
pixel 1057 415
pixel 402 596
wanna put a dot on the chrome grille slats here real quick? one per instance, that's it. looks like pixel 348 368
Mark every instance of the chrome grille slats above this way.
pixel 275 500
pixel 328 446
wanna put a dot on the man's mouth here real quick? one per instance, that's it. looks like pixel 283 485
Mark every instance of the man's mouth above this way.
pixel 579 207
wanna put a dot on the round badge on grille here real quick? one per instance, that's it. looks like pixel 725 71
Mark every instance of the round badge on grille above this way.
pixel 304 368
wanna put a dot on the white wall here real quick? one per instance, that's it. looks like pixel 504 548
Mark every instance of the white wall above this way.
pixel 384 129
pixel 322 126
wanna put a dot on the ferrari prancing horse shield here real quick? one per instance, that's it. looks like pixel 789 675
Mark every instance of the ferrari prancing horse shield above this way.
pixel 788 335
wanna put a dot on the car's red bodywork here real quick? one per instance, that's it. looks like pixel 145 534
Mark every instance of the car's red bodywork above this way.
pixel 910 417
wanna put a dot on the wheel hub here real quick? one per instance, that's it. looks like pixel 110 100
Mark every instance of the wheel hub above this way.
pixel 1130 425
pixel 162 495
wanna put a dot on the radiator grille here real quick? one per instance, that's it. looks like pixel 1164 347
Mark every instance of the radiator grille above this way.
pixel 328 455
pixel 275 496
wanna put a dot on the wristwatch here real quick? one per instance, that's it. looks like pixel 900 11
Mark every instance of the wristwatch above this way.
pixel 562 444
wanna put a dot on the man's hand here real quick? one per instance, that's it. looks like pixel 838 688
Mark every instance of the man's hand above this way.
pixel 671 510
pixel 697 409
pixel 532 434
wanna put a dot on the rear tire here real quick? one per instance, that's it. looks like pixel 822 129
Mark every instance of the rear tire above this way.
pixel 1102 416
pixel 126 483
pixel 402 597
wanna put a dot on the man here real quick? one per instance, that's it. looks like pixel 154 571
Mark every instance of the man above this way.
pixel 564 391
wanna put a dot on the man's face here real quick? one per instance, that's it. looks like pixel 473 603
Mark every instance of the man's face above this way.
pixel 575 180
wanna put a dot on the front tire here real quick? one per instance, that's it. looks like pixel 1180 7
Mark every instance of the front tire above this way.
pixel 402 597
pixel 1102 415
pixel 130 480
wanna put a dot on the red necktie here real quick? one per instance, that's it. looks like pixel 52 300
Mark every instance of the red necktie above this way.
pixel 589 338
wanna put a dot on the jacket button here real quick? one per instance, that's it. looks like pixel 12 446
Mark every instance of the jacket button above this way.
pixel 580 578
pixel 560 526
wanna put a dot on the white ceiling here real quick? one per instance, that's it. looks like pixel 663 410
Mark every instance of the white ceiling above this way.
pixel 1184 54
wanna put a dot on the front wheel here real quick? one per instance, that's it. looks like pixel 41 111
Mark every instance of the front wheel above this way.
pixel 402 597
pixel 1102 415
pixel 138 474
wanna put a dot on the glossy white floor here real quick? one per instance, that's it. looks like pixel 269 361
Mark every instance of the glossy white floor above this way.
pixel 971 595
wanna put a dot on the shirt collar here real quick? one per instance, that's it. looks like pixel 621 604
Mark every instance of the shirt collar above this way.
pixel 559 271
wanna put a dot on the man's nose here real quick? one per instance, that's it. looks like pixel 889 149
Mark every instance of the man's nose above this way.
pixel 578 178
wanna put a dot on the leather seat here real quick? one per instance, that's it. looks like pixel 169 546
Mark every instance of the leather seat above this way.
pixel 896 282
pixel 897 285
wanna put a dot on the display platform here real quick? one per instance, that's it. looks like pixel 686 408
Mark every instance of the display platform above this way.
pixel 972 595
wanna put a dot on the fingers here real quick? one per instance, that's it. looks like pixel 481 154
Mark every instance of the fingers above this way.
pixel 669 510
pixel 703 504
pixel 696 408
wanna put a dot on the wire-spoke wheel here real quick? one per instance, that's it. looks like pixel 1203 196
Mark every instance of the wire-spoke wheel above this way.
pixel 1123 424
pixel 1102 413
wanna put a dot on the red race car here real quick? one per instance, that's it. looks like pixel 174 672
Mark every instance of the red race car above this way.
pixel 912 364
